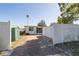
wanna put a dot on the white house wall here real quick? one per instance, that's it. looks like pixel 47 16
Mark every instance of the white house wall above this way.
pixel 26 29
pixel 62 32
pixel 31 32
pixel 34 31
pixel 5 35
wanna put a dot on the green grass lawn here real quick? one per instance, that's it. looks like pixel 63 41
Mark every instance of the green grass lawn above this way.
pixel 70 47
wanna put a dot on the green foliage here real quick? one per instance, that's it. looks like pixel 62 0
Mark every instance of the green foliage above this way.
pixel 65 20
pixel 41 23
pixel 69 13
pixel 62 6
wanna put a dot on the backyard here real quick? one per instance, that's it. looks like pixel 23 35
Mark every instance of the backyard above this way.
pixel 34 45
pixel 40 30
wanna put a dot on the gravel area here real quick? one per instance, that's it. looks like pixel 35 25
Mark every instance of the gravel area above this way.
pixel 35 45
pixel 70 48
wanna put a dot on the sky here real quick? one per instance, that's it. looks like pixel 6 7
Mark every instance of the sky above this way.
pixel 16 13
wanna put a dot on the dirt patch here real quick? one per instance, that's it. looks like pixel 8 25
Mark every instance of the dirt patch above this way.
pixel 34 45
pixel 22 40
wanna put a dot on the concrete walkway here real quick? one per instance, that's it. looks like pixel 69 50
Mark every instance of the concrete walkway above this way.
pixel 35 45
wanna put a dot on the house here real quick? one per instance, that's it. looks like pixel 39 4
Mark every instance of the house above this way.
pixel 33 29
pixel 22 31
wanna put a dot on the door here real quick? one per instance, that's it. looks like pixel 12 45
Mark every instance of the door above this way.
pixel 39 30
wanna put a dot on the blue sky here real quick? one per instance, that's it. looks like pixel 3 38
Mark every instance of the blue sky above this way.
pixel 16 13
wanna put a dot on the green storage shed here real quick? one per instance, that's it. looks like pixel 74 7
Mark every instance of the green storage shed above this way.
pixel 15 33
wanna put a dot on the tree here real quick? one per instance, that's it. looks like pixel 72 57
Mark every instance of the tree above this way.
pixel 42 23
pixel 27 19
pixel 62 6
pixel 65 20
pixel 60 20
pixel 69 12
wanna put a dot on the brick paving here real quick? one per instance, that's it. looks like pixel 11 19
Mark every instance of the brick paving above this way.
pixel 35 45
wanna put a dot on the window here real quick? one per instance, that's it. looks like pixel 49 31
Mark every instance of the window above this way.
pixel 30 28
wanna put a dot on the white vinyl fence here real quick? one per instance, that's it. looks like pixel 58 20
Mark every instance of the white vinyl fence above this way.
pixel 4 35
pixel 62 32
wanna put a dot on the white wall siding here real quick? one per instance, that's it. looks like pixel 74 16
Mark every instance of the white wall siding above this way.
pixel 5 35
pixel 31 32
pixel 62 32
pixel 26 29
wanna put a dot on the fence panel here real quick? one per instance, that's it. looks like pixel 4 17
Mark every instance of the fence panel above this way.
pixel 5 35
pixel 62 32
